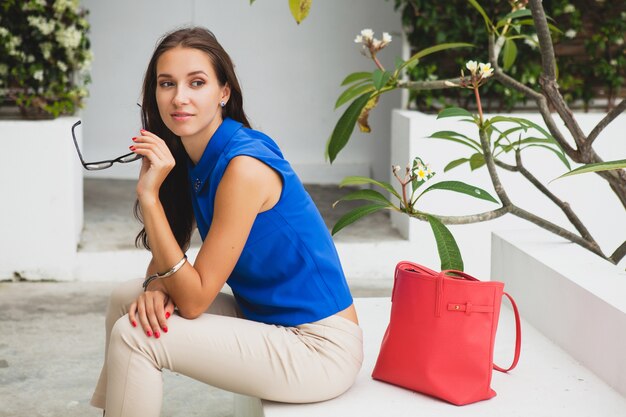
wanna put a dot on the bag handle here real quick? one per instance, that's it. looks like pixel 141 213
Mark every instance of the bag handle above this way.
pixel 518 338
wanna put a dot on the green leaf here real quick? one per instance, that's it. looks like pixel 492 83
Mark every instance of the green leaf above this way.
pixel 345 125
pixel 476 161
pixel 456 137
pixel 478 7
pixel 509 53
pixel 449 253
pixel 558 152
pixel 521 122
pixel 251 1
pixel 530 22
pixel 380 78
pixel 369 195
pixel 300 9
pixel 351 92
pixel 356 76
pixel 513 15
pixel 455 164
pixel 441 47
pixel 355 215
pixel 463 188
pixel 600 166
pixel 454 112
pixel 364 180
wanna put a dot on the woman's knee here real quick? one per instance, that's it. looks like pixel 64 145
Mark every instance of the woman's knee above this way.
pixel 123 295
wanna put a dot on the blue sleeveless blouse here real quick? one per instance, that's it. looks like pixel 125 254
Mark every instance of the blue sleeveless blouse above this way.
pixel 289 272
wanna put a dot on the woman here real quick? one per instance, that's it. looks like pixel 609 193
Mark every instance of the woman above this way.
pixel 290 333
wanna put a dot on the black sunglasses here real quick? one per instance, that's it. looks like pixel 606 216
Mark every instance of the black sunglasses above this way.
pixel 95 166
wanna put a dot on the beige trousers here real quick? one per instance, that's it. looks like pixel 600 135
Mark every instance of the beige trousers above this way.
pixel 307 363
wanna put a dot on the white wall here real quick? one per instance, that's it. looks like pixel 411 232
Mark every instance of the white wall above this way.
pixel 290 74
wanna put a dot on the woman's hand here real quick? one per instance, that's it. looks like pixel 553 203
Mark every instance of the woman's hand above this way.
pixel 156 164
pixel 151 309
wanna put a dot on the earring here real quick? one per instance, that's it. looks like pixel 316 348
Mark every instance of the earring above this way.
pixel 222 103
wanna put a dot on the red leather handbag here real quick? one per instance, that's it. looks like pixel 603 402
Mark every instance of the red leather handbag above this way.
pixel 441 334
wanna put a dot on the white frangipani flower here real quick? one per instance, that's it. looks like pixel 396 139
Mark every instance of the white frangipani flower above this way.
pixel 386 38
pixel 472 66
pixel 571 33
pixel 485 70
pixel 420 173
pixel 367 34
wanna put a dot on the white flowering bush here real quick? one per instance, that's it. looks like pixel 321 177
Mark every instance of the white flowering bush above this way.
pixel 44 56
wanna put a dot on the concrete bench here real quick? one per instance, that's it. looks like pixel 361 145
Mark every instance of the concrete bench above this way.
pixel 547 382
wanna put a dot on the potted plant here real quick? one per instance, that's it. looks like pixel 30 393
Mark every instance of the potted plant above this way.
pixel 44 58
pixel 44 62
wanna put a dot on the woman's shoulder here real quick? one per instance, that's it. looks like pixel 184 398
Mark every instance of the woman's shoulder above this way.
pixel 250 141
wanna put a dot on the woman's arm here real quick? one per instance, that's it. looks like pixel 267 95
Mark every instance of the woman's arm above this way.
pixel 247 188
pixel 247 185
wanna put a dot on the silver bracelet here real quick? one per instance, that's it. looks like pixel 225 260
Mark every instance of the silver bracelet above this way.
pixel 172 271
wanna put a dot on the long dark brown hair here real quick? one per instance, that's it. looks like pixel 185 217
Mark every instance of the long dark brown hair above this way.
pixel 175 192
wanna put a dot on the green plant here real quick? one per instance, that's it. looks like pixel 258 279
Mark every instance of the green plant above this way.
pixel 44 56
pixel 497 136
pixel 589 49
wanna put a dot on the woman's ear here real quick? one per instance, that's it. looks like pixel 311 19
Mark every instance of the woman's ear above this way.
pixel 225 93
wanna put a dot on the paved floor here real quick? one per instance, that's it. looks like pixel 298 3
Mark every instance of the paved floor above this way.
pixel 51 333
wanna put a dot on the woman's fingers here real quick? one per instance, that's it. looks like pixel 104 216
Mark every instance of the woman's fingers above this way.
pixel 153 310
pixel 143 318
pixel 132 310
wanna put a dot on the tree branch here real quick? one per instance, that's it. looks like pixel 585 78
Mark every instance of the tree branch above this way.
pixel 491 167
pixel 431 85
pixel 545 40
pixel 539 98
pixel 616 111
pixel 619 253
pixel 557 230
pixel 472 218
pixel 564 206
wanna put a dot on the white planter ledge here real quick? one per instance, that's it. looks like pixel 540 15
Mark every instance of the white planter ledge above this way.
pixel 571 295
pixel 41 187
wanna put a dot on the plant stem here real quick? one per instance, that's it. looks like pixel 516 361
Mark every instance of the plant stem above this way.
pixel 377 62
pixel 478 104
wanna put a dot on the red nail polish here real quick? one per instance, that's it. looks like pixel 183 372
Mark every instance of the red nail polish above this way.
pixel 134 323
pixel 149 333
pixel 132 148
pixel 165 329
pixel 134 139
pixel 143 131
pixel 167 314
pixel 157 334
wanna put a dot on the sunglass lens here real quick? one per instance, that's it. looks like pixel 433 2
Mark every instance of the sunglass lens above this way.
pixel 98 165
pixel 129 158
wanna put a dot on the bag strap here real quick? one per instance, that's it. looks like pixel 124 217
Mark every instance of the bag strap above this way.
pixel 518 338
